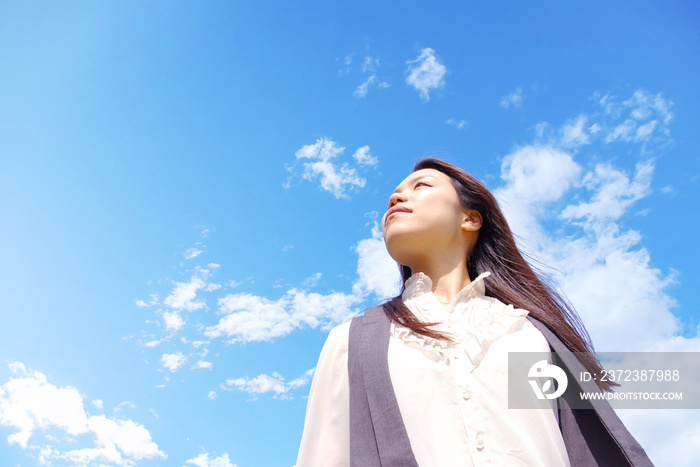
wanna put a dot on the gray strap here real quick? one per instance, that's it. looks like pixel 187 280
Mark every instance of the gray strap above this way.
pixel 377 433
pixel 586 443
pixel 363 445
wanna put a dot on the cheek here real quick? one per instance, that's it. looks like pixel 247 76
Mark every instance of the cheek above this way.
pixel 444 216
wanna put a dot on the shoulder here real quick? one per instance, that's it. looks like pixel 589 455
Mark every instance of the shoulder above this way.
pixel 535 337
pixel 337 342
pixel 338 336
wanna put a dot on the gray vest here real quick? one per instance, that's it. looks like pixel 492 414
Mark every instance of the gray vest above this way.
pixel 593 437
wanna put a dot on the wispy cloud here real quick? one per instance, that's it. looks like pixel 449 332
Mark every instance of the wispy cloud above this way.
pixel 645 116
pixel 369 69
pixel 312 281
pixel 319 164
pixel 29 403
pixel 249 317
pixel 184 295
pixel 203 460
pixel 345 65
pixel 362 89
pixel 363 156
pixel 193 253
pixel 612 193
pixel 246 317
pixel 574 132
pixel 459 124
pixel 426 73
pixel 274 383
pixel 642 120
pixel 514 99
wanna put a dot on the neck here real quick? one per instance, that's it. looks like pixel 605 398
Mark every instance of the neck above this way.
pixel 448 278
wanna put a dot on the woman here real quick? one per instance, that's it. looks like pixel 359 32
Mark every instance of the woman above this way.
pixel 436 393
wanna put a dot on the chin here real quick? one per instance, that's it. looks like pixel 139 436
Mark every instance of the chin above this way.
pixel 401 252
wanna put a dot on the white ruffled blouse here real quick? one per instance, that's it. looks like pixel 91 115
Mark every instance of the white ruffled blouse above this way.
pixel 453 396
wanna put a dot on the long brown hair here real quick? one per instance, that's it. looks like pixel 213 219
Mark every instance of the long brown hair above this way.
pixel 512 281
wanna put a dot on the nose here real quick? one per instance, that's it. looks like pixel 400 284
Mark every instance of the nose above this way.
pixel 396 197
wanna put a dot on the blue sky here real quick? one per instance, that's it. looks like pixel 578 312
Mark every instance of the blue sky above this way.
pixel 189 196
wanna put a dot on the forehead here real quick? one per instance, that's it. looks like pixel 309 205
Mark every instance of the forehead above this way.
pixel 432 174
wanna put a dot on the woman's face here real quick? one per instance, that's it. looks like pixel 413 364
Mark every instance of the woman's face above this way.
pixel 424 217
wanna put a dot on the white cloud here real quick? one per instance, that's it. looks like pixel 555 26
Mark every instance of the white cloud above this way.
pixel 599 265
pixel 539 174
pixel 645 118
pixel 346 65
pixel 172 361
pixel 184 295
pixel 574 133
pixel 249 317
pixel 302 380
pixel 363 88
pixel 203 460
pixel 363 156
pixel 192 253
pixel 426 73
pixel 252 318
pixel 514 99
pixel 668 190
pixel 457 124
pixel 666 435
pixel 318 160
pixel 312 281
pixel 613 192
pixel 245 317
pixel 377 272
pixel 534 176
pixel 370 65
pixel 173 323
pixel 99 404
pixel 127 404
pixel 371 81
pixel 262 384
pixel 28 402
pixel 203 364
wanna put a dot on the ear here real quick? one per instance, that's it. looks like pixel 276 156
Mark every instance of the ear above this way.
pixel 472 220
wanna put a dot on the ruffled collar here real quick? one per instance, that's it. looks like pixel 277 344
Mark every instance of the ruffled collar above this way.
pixel 418 292
pixel 474 320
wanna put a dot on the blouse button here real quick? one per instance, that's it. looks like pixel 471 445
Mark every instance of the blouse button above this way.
pixel 467 395
pixel 480 444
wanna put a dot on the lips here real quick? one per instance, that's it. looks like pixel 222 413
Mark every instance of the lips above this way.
pixel 396 209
